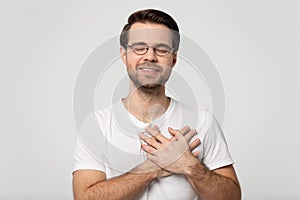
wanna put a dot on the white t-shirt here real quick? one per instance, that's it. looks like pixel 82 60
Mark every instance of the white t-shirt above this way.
pixel 108 141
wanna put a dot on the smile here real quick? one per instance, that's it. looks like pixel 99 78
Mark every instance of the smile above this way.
pixel 149 69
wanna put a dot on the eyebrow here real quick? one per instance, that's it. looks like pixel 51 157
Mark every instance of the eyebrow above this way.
pixel 139 43
pixel 156 45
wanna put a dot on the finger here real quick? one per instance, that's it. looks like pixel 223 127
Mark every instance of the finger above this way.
pixel 196 153
pixel 151 157
pixel 184 130
pixel 179 137
pixel 148 149
pixel 190 134
pixel 150 141
pixel 154 131
pixel 172 131
pixel 194 143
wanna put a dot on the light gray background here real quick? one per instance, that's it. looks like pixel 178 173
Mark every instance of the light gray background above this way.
pixel 255 46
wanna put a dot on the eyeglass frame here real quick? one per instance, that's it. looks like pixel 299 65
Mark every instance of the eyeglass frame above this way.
pixel 154 47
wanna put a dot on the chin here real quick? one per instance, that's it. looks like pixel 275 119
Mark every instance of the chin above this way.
pixel 151 86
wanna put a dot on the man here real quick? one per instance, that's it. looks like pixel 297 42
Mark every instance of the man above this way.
pixel 148 145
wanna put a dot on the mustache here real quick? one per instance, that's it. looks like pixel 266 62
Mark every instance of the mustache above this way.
pixel 149 64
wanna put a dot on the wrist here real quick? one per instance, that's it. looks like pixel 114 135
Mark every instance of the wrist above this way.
pixel 192 166
pixel 147 169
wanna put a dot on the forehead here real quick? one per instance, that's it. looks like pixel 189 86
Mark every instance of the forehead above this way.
pixel 149 33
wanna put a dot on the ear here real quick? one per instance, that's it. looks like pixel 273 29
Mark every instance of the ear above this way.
pixel 123 54
pixel 174 59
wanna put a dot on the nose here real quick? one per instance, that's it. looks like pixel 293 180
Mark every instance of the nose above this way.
pixel 150 56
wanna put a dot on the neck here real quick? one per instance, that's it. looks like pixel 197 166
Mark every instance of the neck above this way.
pixel 147 104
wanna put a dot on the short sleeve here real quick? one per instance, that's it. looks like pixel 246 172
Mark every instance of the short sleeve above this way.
pixel 215 149
pixel 87 151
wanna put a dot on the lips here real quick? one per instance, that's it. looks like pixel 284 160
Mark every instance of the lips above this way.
pixel 150 68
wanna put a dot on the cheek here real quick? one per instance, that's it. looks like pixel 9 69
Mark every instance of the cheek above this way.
pixel 132 61
pixel 168 63
pixel 130 65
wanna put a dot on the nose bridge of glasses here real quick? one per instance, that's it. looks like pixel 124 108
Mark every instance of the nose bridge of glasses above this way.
pixel 153 49
pixel 150 55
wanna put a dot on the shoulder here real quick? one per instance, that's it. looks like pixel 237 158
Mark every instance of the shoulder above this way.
pixel 95 120
pixel 105 115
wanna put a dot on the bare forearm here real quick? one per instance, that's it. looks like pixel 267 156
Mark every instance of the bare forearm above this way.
pixel 210 185
pixel 126 186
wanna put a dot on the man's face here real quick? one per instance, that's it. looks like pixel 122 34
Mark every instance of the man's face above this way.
pixel 152 69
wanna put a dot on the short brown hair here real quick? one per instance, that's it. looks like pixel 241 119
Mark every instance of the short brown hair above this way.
pixel 152 16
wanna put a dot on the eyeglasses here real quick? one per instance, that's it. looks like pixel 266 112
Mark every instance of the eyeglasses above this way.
pixel 142 49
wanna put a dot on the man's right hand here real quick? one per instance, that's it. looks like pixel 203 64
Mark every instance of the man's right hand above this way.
pixel 150 166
